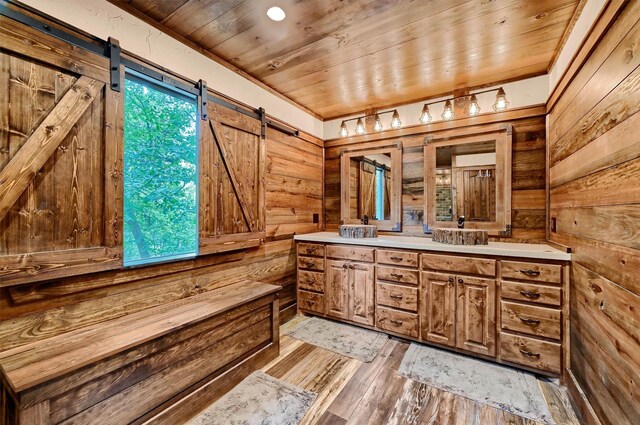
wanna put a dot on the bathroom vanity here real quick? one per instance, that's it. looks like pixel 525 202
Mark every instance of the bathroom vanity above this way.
pixel 507 302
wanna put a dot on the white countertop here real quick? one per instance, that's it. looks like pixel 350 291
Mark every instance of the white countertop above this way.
pixel 504 249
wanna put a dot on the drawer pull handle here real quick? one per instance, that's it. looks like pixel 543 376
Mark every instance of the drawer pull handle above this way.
pixel 311 250
pixel 530 272
pixel 395 258
pixel 396 275
pixel 529 353
pixel 530 294
pixel 309 281
pixel 395 296
pixel 309 263
pixel 530 321
pixel 396 322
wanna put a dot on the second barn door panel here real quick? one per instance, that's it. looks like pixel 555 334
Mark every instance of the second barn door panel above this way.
pixel 232 181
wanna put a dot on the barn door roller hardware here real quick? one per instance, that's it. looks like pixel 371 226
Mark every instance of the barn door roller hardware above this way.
pixel 112 51
pixel 202 88
pixel 263 122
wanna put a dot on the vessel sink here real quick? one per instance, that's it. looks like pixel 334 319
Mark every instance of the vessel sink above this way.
pixel 460 236
pixel 358 231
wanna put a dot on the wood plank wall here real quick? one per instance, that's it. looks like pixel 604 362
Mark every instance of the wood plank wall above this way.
pixel 594 159
pixel 528 179
pixel 293 194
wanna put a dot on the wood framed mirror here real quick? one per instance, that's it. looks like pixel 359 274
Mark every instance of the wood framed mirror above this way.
pixel 371 185
pixel 469 176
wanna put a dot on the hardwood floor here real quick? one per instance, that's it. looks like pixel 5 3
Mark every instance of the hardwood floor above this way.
pixel 352 392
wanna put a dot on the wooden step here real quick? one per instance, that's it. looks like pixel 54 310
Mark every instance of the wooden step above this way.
pixel 30 365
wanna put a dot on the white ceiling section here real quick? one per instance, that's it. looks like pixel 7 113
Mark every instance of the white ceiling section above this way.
pixel 103 19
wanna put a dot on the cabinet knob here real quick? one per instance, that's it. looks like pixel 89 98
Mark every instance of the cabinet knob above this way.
pixel 451 279
pixel 345 265
pixel 460 281
pixel 351 266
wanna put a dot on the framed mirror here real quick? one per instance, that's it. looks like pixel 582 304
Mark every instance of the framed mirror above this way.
pixel 371 186
pixel 468 179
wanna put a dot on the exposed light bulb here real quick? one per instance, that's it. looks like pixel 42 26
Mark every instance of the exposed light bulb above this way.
pixel 447 113
pixel 395 120
pixel 425 116
pixel 343 130
pixel 501 101
pixel 360 130
pixel 276 13
pixel 474 108
pixel 377 126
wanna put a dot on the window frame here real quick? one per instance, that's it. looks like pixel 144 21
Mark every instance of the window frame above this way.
pixel 173 90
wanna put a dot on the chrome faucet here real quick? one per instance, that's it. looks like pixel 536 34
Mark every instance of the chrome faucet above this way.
pixel 461 222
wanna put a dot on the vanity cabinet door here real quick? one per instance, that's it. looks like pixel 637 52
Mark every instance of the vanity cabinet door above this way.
pixel 337 289
pixel 361 293
pixel 438 308
pixel 476 315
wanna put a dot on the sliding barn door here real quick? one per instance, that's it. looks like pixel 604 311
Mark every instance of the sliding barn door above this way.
pixel 232 181
pixel 60 159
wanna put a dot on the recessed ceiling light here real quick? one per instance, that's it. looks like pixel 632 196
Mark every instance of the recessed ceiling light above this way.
pixel 276 13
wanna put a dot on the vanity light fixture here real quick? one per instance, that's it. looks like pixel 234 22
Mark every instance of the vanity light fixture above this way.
pixel 343 130
pixel 474 108
pixel 425 116
pixel 276 13
pixel 395 120
pixel 501 101
pixel 377 126
pixel 377 123
pixel 447 113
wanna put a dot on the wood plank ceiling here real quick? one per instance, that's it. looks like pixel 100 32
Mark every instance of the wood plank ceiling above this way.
pixel 337 57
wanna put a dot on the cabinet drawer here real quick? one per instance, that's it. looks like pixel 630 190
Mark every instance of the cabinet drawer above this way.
pixel 532 292
pixel 397 275
pixel 453 264
pixel 312 281
pixel 350 253
pixel 531 352
pixel 533 320
pixel 397 321
pixel 398 258
pixel 397 296
pixel 311 263
pixel 313 249
pixel 539 272
pixel 311 301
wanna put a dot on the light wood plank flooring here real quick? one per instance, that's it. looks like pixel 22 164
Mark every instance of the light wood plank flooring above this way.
pixel 352 392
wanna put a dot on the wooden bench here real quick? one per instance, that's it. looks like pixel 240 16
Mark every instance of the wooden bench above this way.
pixel 128 369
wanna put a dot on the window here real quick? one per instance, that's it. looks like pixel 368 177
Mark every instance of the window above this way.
pixel 160 172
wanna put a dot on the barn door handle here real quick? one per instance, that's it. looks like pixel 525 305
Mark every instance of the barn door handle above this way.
pixel 531 272
pixel 531 294
pixel 529 353
pixel 530 321
pixel 396 322
pixel 395 296
pixel 395 258
pixel 396 275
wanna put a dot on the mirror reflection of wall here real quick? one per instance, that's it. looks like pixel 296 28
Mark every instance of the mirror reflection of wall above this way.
pixel 370 186
pixel 466 182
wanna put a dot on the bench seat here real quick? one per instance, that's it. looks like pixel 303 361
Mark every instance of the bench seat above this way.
pixel 123 369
